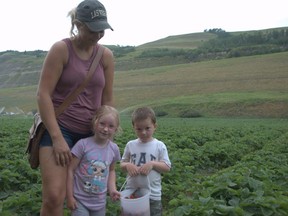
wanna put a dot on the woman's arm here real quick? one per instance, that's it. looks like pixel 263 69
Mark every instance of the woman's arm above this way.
pixel 52 68
pixel 108 62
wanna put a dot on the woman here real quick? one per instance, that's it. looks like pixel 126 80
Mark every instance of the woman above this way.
pixel 65 67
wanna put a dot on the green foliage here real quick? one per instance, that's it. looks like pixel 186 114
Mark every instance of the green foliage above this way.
pixel 226 45
pixel 119 51
pixel 158 53
pixel 189 114
pixel 246 43
pixel 160 113
pixel 219 167
pixel 253 50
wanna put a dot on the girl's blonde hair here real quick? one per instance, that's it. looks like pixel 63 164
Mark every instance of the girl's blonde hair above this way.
pixel 104 110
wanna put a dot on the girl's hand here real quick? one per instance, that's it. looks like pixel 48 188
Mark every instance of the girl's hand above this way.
pixel 71 203
pixel 114 195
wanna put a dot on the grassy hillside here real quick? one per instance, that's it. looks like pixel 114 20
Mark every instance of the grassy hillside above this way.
pixel 187 75
pixel 246 86
pixel 186 41
pixel 255 85
pixel 22 68
pixel 164 47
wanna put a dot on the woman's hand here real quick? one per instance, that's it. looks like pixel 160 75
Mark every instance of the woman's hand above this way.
pixel 62 153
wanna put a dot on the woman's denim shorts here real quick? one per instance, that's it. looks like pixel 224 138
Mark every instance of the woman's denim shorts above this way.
pixel 70 137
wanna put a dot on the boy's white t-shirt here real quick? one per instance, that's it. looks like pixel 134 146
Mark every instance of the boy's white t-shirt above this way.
pixel 140 153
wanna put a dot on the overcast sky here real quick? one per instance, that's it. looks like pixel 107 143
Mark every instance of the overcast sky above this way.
pixel 37 24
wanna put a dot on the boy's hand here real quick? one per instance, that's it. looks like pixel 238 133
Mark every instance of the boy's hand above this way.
pixel 132 169
pixel 146 168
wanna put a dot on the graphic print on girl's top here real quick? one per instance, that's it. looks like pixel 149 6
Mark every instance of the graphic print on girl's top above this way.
pixel 98 172
pixel 94 169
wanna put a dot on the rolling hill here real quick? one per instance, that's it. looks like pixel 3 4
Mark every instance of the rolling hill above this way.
pixel 174 77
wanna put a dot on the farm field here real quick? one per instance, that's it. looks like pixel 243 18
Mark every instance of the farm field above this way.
pixel 224 121
pixel 220 166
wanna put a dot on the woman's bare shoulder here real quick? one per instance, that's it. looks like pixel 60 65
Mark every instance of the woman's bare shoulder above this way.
pixel 59 51
pixel 59 46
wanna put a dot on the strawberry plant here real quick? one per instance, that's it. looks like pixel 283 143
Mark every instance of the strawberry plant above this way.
pixel 219 167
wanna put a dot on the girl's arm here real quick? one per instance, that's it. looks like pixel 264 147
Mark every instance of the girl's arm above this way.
pixel 114 194
pixel 71 202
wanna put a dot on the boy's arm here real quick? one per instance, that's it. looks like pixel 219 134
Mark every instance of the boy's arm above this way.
pixel 126 165
pixel 130 168
pixel 159 166
pixel 123 166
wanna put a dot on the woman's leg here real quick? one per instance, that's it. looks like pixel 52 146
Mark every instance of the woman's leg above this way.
pixel 53 183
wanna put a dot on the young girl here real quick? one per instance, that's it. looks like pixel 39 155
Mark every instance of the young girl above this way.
pixel 92 169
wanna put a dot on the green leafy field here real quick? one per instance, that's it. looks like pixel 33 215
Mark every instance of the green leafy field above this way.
pixel 221 166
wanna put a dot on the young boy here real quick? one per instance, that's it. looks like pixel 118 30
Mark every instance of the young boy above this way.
pixel 146 155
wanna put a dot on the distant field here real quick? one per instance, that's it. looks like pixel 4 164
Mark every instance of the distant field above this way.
pixel 246 86
pixel 183 41
pixel 247 83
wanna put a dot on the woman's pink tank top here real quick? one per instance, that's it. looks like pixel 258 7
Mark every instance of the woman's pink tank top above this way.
pixel 78 116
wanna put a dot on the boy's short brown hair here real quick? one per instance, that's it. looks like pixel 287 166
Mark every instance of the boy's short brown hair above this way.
pixel 143 113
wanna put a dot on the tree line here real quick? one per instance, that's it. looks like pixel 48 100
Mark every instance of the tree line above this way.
pixel 227 45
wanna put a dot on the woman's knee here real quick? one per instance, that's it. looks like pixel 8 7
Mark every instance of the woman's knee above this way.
pixel 53 188
pixel 54 198
pixel 53 179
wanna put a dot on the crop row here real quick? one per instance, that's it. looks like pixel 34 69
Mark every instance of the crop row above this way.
pixel 219 167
